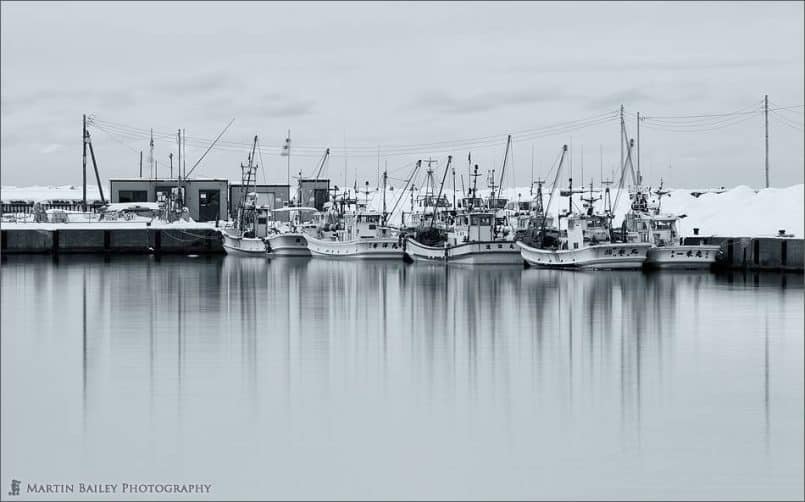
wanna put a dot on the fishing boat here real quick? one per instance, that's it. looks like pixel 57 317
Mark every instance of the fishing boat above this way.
pixel 471 241
pixel 587 241
pixel 246 237
pixel 364 236
pixel 291 239
pixel 644 223
pixel 586 245
pixel 478 235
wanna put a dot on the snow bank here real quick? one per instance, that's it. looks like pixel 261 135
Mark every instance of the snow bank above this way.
pixel 736 212
pixel 40 193
pixel 740 211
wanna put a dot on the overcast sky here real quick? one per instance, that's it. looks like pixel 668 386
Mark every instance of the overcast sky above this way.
pixel 369 76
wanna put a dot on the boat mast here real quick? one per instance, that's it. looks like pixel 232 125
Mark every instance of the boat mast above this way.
pixel 438 197
pixel 505 161
pixel 474 189
pixel 385 178
pixel 553 190
pixel 454 188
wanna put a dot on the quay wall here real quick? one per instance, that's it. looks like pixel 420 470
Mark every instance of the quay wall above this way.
pixel 757 253
pixel 120 240
pixel 747 253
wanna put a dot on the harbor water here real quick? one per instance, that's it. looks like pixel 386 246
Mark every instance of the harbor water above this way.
pixel 300 379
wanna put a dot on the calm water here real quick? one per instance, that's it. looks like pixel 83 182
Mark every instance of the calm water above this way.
pixel 310 378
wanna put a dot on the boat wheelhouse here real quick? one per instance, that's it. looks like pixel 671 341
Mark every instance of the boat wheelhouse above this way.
pixel 364 236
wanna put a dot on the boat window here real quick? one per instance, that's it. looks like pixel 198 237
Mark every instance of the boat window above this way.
pixel 481 219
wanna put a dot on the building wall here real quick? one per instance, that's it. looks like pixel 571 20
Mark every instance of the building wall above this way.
pixel 308 189
pixel 275 195
pixel 192 192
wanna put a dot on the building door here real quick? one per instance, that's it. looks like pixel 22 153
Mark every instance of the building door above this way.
pixel 320 197
pixel 209 202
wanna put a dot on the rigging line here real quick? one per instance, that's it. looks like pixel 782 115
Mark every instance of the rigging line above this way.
pixel 263 164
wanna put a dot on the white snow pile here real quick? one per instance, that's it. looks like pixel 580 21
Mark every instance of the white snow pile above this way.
pixel 736 212
pixel 43 193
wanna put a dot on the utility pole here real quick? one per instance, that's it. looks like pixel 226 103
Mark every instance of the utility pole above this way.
pixel 170 156
pixel 84 146
pixel 156 169
pixel 766 113
pixel 141 163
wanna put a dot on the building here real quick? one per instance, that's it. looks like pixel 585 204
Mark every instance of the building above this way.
pixel 274 196
pixel 313 192
pixel 206 199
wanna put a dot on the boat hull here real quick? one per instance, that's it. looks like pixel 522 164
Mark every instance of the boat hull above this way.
pixel 244 246
pixel 361 249
pixel 682 257
pixel 291 244
pixel 471 253
pixel 602 256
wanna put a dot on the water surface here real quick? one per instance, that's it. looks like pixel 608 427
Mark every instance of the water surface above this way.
pixel 322 379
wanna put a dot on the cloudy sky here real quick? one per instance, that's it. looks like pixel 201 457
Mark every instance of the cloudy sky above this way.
pixel 410 80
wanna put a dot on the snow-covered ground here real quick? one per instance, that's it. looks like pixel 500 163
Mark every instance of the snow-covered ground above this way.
pixel 40 193
pixel 739 211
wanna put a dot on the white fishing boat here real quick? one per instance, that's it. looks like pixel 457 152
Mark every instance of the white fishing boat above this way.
pixel 587 245
pixel 246 237
pixel 363 237
pixel 644 223
pixel 291 239
pixel 587 241
pixel 470 241
pixel 479 234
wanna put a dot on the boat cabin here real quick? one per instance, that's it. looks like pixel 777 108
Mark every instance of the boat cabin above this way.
pixel 468 203
pixel 587 230
pixel 472 227
pixel 365 225
pixel 659 230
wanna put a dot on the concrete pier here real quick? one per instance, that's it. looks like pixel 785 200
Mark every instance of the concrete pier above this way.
pixel 173 240
pixel 757 253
